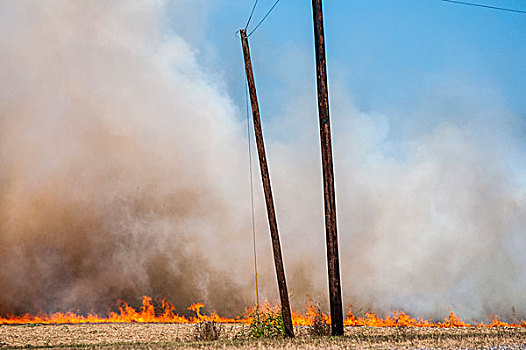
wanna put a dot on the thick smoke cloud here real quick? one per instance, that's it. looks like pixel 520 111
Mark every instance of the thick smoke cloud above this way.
pixel 123 172
pixel 118 161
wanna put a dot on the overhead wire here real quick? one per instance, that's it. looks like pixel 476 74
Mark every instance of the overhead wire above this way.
pixel 263 19
pixel 485 6
pixel 251 14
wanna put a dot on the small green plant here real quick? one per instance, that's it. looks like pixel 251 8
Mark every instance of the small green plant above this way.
pixel 319 327
pixel 267 325
pixel 207 331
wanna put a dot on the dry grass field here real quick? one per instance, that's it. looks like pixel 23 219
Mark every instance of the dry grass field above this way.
pixel 188 336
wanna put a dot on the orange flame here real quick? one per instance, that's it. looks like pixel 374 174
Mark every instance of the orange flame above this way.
pixel 167 314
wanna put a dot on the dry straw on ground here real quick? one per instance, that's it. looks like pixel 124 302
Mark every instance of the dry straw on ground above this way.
pixel 172 336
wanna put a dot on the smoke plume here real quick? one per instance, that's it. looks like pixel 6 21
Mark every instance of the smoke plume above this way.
pixel 123 172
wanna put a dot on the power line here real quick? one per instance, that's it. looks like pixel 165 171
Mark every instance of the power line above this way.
pixel 450 1
pixel 263 19
pixel 485 6
pixel 251 13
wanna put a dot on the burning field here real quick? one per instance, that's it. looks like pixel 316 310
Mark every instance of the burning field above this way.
pixel 166 313
pixel 161 327
pixel 123 173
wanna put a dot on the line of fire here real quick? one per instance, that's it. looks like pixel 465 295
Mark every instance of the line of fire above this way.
pixel 166 313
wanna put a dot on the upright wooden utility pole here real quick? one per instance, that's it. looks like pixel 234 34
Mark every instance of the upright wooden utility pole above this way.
pixel 335 292
pixel 265 177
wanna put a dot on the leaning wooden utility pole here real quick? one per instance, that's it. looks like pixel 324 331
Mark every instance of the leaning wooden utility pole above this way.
pixel 265 178
pixel 335 291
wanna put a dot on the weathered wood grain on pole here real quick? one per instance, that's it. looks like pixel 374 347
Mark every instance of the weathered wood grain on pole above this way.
pixel 333 263
pixel 265 178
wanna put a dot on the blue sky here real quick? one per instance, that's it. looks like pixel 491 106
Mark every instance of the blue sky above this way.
pixel 385 53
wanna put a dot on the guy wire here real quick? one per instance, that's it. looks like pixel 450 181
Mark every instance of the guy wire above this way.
pixel 252 198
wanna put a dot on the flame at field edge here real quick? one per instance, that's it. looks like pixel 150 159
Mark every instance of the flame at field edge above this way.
pixel 147 313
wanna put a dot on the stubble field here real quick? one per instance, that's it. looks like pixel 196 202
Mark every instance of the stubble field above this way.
pixel 232 336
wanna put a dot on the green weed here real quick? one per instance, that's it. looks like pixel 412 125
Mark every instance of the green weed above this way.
pixel 267 325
